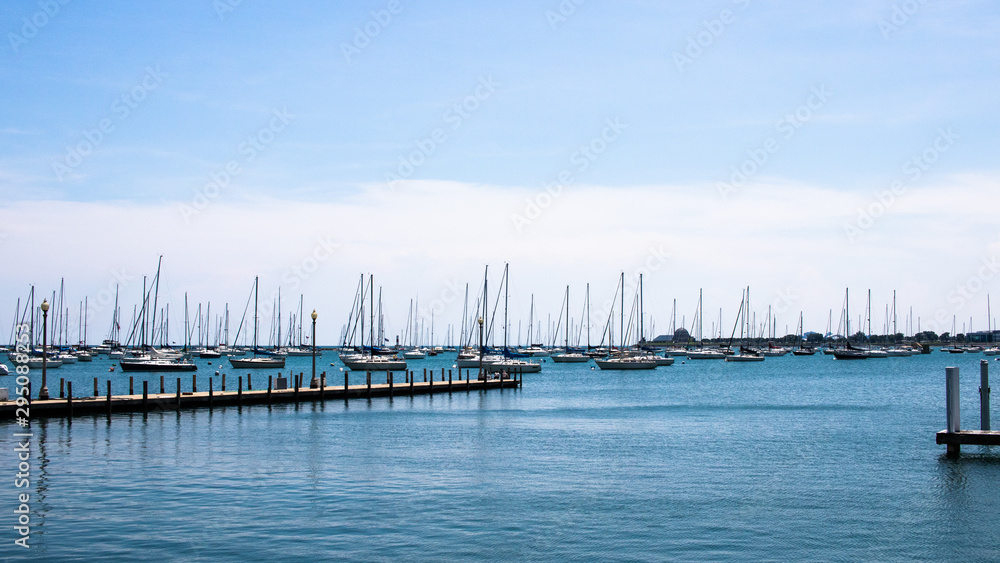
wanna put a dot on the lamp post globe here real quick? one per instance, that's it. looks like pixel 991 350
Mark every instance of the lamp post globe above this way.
pixel 43 393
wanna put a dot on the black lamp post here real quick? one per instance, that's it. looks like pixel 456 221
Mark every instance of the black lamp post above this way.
pixel 314 384
pixel 480 347
pixel 43 393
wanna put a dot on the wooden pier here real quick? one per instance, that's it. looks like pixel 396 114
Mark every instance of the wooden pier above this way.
pixel 953 436
pixel 146 402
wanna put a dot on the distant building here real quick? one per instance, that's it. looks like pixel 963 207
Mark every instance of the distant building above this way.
pixel 681 336
pixel 983 336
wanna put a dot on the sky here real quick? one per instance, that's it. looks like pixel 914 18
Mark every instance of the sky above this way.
pixel 796 149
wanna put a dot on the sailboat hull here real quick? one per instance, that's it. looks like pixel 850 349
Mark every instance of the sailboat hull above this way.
pixel 257 363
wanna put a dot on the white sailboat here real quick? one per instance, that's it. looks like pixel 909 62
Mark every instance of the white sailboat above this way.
pixel 567 357
pixel 256 362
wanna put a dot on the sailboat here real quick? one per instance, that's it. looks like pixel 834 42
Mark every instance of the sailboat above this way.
pixel 567 356
pixel 701 353
pixel 153 359
pixel 849 352
pixel 743 319
pixel 622 361
pixel 508 363
pixel 802 350
pixel 896 351
pixel 373 361
pixel 257 362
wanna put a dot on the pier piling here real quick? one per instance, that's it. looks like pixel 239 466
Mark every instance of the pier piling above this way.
pixel 130 388
pixel 270 381
pixel 984 394
pixel 249 383
pixel 145 396
pixel 223 382
pixel 178 392
pixel 239 392
pixel 161 385
pixel 61 387
pixel 109 397
pixel 69 398
pixel 96 392
pixel 369 381
pixel 211 392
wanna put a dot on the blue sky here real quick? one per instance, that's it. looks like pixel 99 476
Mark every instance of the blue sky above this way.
pixel 420 137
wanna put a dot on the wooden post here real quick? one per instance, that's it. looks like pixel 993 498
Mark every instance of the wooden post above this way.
pixel 369 379
pixel 952 406
pixel 406 374
pixel 194 383
pixel 210 392
pixel 389 380
pixel 61 380
pixel 223 382
pixel 109 397
pixel 984 394
pixel 430 386
pixel 345 385
pixel 249 382
pixel 270 380
pixel 409 377
pixel 442 375
pixel 178 392
pixel 145 396
pixel 425 375
pixel 161 385
pixel 322 384
pixel 449 381
pixel 130 391
pixel 295 379
pixel 69 398
pixel 96 392
pixel 239 392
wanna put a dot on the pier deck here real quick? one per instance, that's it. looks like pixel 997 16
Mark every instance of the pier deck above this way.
pixel 188 400
pixel 969 437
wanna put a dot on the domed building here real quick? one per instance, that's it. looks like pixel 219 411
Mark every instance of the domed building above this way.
pixel 681 336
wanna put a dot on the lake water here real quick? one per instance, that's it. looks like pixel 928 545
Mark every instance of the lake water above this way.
pixel 794 458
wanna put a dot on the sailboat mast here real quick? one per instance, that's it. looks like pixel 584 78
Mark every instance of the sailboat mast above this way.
pixel 621 322
pixel 371 311
pixel 256 281
pixel 567 319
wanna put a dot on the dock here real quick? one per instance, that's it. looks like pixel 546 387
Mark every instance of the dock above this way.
pixel 953 436
pixel 146 402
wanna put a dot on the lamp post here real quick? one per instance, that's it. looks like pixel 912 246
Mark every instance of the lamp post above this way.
pixel 480 347
pixel 314 384
pixel 43 393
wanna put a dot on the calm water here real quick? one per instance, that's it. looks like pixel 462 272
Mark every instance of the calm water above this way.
pixel 789 459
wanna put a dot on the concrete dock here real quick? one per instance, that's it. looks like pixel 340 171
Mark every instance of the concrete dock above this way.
pixel 152 402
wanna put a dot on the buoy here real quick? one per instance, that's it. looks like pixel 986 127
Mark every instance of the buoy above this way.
pixel 112 368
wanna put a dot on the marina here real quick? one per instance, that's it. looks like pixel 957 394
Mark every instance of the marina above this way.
pixel 807 456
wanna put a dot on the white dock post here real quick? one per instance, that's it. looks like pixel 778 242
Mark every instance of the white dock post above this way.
pixel 951 406
pixel 984 394
pixel 951 399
